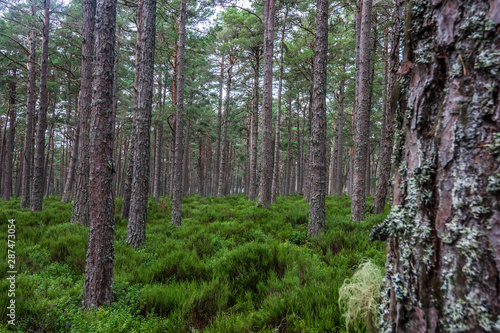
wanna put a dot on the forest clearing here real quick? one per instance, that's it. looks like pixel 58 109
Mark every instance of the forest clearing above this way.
pixel 250 166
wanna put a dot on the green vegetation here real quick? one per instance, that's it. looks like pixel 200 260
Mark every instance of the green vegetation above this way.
pixel 231 267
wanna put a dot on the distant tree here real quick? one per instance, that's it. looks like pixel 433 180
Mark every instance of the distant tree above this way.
pixel 178 167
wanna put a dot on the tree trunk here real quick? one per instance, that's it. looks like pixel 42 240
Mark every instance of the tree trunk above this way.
pixel 158 160
pixel 266 173
pixel 201 168
pixel 30 115
pixel 11 106
pixel 38 172
pixel 252 187
pixel 219 129
pixel 336 180
pixel 388 115
pixel 136 232
pixel 177 183
pixel 98 282
pixel 288 152
pixel 185 173
pixel 443 252
pixel 223 180
pixel 80 212
pixel 276 169
pixel 361 124
pixel 318 138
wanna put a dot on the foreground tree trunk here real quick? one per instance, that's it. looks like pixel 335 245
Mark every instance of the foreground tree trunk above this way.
pixel 38 172
pixel 80 213
pixel 11 106
pixel 30 115
pixel 98 282
pixel 266 173
pixel 318 125
pixel 443 263
pixel 178 167
pixel 136 232
pixel 361 125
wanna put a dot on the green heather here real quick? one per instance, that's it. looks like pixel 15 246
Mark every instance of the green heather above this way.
pixel 231 267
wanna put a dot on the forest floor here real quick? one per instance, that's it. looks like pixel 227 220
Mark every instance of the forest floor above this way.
pixel 231 267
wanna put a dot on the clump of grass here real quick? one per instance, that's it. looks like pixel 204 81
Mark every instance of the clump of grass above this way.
pixel 359 296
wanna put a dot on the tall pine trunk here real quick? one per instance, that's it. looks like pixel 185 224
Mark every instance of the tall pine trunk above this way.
pixel 388 115
pixel 178 168
pixel 136 232
pixel 219 130
pixel 223 180
pixel 252 186
pixel 30 115
pixel 266 173
pixel 37 186
pixel 361 123
pixel 276 169
pixel 11 106
pixel 98 281
pixel 318 126
pixel 80 212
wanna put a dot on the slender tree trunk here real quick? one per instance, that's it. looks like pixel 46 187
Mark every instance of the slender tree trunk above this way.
pixel 38 172
pixel 177 191
pixel 370 97
pixel 336 180
pixel 276 169
pixel 11 106
pixel 388 115
pixel 158 160
pixel 98 282
pixel 201 168
pixel 80 212
pixel 219 128
pixel 318 140
pixel 71 169
pixel 252 187
pixel 223 180
pixel 443 254
pixel 185 163
pixel 288 152
pixel 127 191
pixel 30 114
pixel 308 158
pixel 136 233
pixel 266 174
pixel 361 123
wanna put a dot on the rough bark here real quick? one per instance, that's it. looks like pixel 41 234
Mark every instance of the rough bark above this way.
pixel 11 106
pixel 136 231
pixel 266 173
pixel 276 169
pixel 98 281
pixel 318 138
pixel 361 123
pixel 443 266
pixel 388 115
pixel 38 172
pixel 252 187
pixel 185 163
pixel 80 213
pixel 178 168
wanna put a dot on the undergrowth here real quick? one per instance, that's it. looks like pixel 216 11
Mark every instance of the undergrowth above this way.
pixel 230 267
